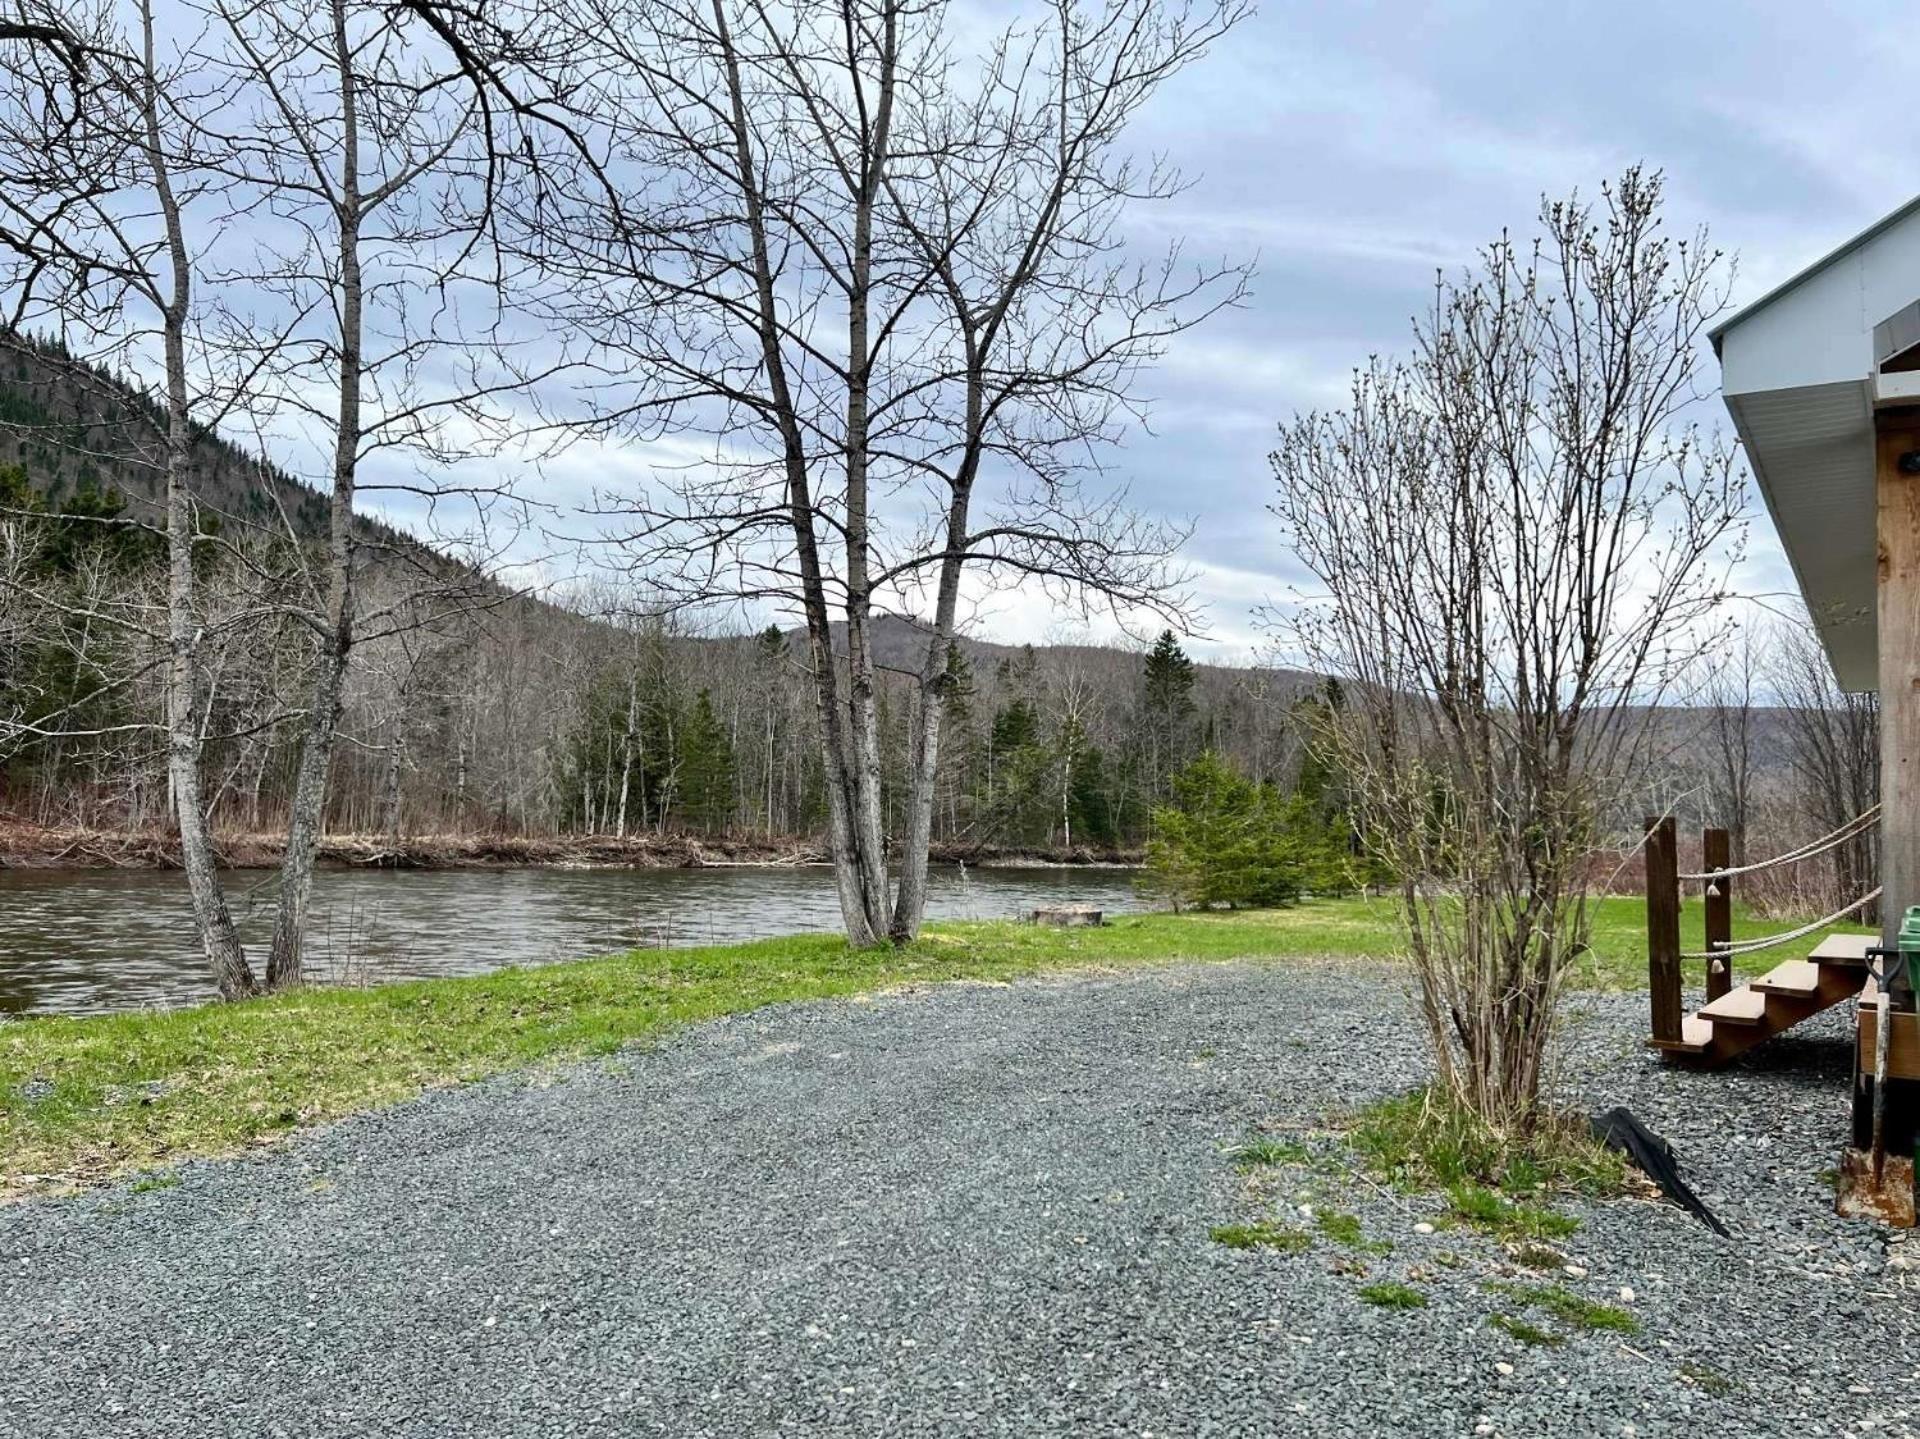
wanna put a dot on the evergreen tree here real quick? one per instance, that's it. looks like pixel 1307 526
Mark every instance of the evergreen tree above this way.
pixel 706 768
pixel 1089 804
pixel 1227 841
pixel 1015 726
pixel 1167 710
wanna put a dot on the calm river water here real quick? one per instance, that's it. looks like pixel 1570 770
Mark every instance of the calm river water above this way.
pixel 89 941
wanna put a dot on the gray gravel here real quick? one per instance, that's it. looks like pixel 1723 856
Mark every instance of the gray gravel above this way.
pixel 958 1210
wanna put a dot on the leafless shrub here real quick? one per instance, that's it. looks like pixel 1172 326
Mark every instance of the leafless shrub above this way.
pixel 1520 544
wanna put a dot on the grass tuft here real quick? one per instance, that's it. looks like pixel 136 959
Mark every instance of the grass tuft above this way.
pixel 1389 1294
pixel 1526 1333
pixel 1425 1140
pixel 1345 1230
pixel 1484 1209
pixel 149 1183
pixel 1262 1234
pixel 1264 1149
pixel 1569 1308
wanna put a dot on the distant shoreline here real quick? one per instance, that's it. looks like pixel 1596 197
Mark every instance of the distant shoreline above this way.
pixel 26 846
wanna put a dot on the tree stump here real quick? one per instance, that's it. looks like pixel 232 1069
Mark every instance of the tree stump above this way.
pixel 1076 916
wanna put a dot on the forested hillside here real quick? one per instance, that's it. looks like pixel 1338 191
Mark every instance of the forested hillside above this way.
pixel 472 709
pixel 75 429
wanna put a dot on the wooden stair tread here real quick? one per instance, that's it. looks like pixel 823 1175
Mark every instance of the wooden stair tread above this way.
pixel 1696 1037
pixel 1739 1006
pixel 1843 949
pixel 1797 977
pixel 1790 992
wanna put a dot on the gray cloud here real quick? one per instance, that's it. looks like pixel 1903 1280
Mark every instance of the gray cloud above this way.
pixel 1358 147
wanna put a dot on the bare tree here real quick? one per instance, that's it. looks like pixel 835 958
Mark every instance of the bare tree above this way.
pixel 1730 738
pixel 1071 693
pixel 376 148
pixel 900 314
pixel 95 224
pixel 1833 752
pixel 1519 542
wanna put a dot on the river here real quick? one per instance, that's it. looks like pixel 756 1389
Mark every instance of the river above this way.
pixel 96 941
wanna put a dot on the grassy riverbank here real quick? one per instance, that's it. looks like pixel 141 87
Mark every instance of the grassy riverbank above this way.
pixel 83 1099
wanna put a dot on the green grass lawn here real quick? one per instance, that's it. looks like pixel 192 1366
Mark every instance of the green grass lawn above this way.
pixel 83 1099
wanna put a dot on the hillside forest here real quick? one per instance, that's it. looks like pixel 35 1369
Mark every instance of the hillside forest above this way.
pixel 471 709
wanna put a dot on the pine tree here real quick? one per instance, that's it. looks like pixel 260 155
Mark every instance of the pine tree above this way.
pixel 1228 841
pixel 706 768
pixel 1167 710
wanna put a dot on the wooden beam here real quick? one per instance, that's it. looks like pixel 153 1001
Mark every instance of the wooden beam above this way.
pixel 1716 852
pixel 1898 531
pixel 1663 928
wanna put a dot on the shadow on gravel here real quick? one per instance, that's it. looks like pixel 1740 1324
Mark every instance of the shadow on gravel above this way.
pixel 1805 1059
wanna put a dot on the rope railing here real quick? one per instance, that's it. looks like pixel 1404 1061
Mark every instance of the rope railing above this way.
pixel 1733 948
pixel 1853 828
pixel 1665 982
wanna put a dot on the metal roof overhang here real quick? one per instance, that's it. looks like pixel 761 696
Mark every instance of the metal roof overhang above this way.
pixel 1798 375
pixel 1811 449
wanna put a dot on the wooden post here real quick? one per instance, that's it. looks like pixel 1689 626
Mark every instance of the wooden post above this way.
pixel 1716 852
pixel 1663 927
pixel 1898 516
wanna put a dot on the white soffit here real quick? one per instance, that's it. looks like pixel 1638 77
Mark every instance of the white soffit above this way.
pixel 1797 373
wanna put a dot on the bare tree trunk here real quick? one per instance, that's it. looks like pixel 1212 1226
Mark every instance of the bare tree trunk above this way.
pixel 396 755
pixel 212 919
pixel 869 834
pixel 923 767
pixel 308 814
pixel 626 751
pixel 853 822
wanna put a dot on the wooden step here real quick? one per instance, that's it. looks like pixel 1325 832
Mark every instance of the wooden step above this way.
pixel 1754 1013
pixel 1739 1006
pixel 1696 1037
pixel 1843 949
pixel 1799 978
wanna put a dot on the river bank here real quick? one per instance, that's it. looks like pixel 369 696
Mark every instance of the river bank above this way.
pixel 91 941
pixel 24 845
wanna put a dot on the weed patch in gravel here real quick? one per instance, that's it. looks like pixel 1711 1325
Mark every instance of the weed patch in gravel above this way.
pixel 1485 1209
pixel 1571 1309
pixel 1423 1140
pixel 1344 1229
pixel 1390 1294
pixel 1264 1150
pixel 1529 1334
pixel 1262 1234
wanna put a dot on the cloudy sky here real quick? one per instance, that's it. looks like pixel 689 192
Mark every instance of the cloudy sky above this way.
pixel 1356 147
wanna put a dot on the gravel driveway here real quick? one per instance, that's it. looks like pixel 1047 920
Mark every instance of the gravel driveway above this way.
pixel 957 1210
